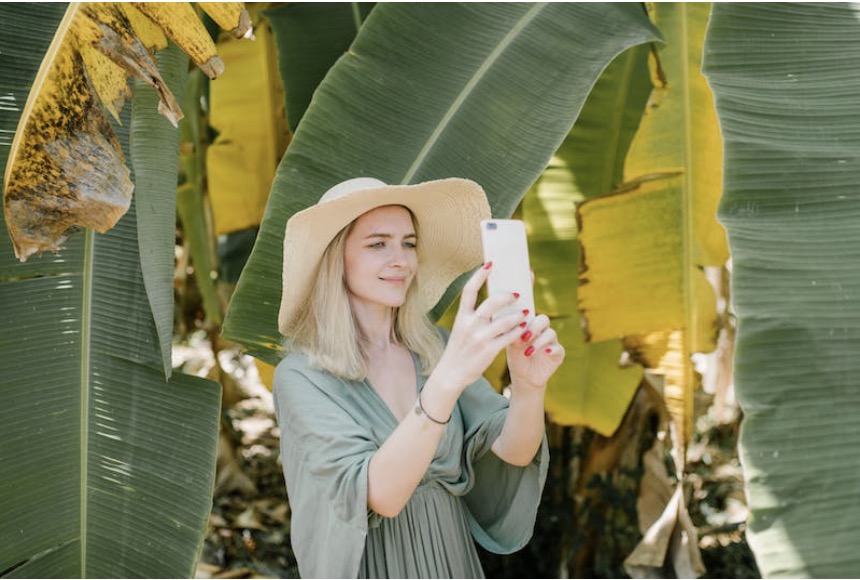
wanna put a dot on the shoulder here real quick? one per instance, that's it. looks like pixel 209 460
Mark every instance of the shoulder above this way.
pixel 294 361
pixel 295 364
pixel 301 392
pixel 296 377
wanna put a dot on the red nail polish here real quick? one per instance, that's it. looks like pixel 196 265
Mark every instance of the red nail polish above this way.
pixel 488 265
pixel 526 312
pixel 548 350
pixel 530 350
pixel 516 294
pixel 526 335
pixel 523 324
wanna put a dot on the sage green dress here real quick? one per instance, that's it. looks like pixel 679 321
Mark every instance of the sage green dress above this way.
pixel 329 430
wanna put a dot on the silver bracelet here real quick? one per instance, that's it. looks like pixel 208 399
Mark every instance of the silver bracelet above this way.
pixel 420 410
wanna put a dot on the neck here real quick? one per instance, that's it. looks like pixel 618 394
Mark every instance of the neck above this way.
pixel 375 325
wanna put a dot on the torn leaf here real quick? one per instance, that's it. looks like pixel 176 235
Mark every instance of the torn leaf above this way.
pixel 66 169
pixel 231 16
pixel 180 23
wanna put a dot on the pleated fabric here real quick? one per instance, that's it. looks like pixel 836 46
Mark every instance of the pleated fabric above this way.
pixel 331 427
pixel 429 539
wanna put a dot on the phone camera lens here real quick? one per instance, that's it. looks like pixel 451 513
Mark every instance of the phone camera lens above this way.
pixel 491 225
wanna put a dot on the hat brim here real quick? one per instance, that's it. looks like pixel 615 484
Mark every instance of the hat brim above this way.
pixel 448 212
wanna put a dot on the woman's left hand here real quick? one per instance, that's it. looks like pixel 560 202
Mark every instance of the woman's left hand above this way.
pixel 536 355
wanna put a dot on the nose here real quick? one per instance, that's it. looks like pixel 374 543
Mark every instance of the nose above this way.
pixel 398 257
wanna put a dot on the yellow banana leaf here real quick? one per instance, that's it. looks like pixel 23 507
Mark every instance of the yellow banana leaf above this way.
pixel 181 24
pixel 248 113
pixel 266 371
pixel 66 168
pixel 590 388
pixel 645 247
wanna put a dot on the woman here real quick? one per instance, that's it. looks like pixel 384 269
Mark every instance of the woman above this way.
pixel 396 451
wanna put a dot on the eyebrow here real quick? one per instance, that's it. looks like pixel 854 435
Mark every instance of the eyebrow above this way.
pixel 388 236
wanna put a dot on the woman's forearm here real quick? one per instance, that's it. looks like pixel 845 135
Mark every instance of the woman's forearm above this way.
pixel 523 431
pixel 397 467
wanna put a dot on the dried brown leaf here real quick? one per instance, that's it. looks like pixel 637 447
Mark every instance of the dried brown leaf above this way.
pixel 66 169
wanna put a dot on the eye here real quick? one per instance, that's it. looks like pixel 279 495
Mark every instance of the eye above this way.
pixel 410 245
pixel 377 245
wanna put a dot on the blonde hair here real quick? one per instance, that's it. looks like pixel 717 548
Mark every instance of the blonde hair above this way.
pixel 327 332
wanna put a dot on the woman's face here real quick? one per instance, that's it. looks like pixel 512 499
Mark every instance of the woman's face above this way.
pixel 381 257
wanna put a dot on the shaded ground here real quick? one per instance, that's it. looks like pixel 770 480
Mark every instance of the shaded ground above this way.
pixel 718 506
pixel 247 532
pixel 247 537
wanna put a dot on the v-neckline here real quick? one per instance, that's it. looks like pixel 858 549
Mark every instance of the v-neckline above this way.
pixel 379 398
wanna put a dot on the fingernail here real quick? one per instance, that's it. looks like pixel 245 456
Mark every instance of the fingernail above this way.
pixel 516 294
pixel 530 350
pixel 526 312
pixel 523 324
pixel 488 265
pixel 548 350
pixel 526 335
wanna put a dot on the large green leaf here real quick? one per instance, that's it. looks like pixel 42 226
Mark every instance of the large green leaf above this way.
pixel 787 88
pixel 429 91
pixel 107 468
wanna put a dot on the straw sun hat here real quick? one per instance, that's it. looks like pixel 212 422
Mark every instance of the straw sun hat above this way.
pixel 448 212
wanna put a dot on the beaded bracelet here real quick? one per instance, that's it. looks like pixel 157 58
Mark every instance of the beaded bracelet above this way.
pixel 419 410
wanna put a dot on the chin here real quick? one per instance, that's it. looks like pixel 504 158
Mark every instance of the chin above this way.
pixel 395 303
pixel 394 298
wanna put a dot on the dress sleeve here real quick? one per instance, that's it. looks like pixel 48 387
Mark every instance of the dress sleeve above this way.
pixel 325 454
pixel 503 500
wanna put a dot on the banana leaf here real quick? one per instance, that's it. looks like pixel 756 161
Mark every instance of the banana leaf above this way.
pixel 107 468
pixel 247 113
pixel 590 162
pixel 312 36
pixel 66 168
pixel 154 147
pixel 786 85
pixel 477 91
pixel 645 246
pixel 590 388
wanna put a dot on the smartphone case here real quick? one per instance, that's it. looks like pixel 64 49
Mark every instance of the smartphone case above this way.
pixel 505 245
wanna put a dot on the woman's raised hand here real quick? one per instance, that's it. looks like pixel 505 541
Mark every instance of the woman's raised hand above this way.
pixel 476 338
pixel 535 356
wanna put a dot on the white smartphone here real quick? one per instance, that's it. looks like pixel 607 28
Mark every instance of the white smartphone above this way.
pixel 505 245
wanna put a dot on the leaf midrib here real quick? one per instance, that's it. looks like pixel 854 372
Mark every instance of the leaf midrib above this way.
pixel 468 89
pixel 86 333
pixel 692 322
